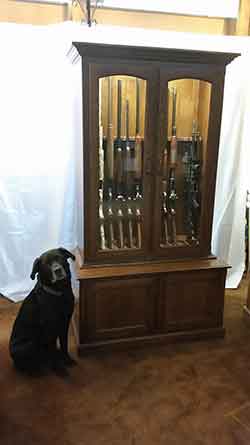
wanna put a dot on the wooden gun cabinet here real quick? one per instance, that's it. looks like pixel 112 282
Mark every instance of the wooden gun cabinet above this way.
pixel 151 125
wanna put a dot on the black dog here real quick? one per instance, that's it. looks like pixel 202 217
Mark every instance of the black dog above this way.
pixel 44 317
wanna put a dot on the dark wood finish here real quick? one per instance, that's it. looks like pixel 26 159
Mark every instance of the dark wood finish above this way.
pixel 142 53
pixel 158 306
pixel 190 302
pixel 157 66
pixel 96 71
pixel 119 308
pixel 132 297
pixel 86 272
pixel 157 339
pixel 215 76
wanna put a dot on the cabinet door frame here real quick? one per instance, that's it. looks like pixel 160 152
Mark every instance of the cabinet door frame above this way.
pixel 215 76
pixel 93 70
pixel 91 306
pixel 207 310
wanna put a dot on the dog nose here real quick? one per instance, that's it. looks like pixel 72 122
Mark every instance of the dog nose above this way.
pixel 58 272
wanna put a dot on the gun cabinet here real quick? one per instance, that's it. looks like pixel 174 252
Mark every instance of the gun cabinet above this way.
pixel 151 125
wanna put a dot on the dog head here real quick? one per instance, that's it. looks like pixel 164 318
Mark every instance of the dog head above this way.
pixel 53 268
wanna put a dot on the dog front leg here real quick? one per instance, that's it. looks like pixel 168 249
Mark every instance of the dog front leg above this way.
pixel 55 360
pixel 63 338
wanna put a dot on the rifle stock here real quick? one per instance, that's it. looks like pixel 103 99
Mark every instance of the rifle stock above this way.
pixel 101 219
pixel 138 201
pixel 110 215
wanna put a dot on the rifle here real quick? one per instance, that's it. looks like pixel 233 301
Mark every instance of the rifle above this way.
pixel 138 199
pixel 119 155
pixel 130 224
pixel 128 156
pixel 165 218
pixel 138 139
pixel 101 151
pixel 120 218
pixel 111 238
pixel 192 188
pixel 165 213
pixel 101 219
pixel 172 196
pixel 110 142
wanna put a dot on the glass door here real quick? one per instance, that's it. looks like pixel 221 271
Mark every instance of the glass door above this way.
pixel 185 107
pixel 121 159
pixel 121 140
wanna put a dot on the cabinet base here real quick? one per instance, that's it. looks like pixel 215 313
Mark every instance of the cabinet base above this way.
pixel 160 340
pixel 145 305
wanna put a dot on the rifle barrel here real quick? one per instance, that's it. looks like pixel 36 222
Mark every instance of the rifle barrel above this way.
pixel 173 143
pixel 174 112
pixel 110 142
pixel 127 121
pixel 137 119
pixel 119 109
pixel 138 139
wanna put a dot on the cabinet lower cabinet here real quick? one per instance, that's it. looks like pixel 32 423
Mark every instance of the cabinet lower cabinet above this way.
pixel 118 312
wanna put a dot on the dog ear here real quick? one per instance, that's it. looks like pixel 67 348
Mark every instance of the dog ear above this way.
pixel 66 253
pixel 35 268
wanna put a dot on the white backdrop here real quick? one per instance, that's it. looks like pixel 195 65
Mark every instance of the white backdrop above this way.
pixel 37 189
pixel 40 143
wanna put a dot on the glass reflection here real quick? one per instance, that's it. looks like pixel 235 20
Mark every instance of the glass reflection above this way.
pixel 188 102
pixel 121 142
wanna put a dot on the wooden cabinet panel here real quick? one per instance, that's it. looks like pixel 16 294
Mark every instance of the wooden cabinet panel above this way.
pixel 151 124
pixel 192 300
pixel 118 308
pixel 152 308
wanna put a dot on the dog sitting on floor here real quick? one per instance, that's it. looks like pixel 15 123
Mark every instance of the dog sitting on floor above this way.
pixel 42 323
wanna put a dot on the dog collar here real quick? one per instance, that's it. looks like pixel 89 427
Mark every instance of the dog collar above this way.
pixel 50 290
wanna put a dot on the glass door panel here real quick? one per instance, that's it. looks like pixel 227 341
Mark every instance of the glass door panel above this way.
pixel 122 101
pixel 182 162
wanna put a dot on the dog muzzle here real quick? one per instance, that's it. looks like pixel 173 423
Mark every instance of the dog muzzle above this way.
pixel 58 272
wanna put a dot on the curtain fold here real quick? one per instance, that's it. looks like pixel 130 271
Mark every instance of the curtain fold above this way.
pixel 40 143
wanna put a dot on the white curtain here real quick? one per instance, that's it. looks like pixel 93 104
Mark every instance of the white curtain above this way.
pixel 228 240
pixel 37 179
pixel 40 143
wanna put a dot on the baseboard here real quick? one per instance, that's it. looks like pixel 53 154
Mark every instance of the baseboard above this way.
pixel 161 339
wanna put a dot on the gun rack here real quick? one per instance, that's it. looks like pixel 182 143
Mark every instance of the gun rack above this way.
pixel 151 125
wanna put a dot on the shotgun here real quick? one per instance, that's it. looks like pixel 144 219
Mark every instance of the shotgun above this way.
pixel 138 215
pixel 110 142
pixel 119 154
pixel 120 218
pixel 101 151
pixel 128 156
pixel 172 196
pixel 101 219
pixel 110 215
pixel 130 224
pixel 138 138
pixel 192 180
pixel 165 213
